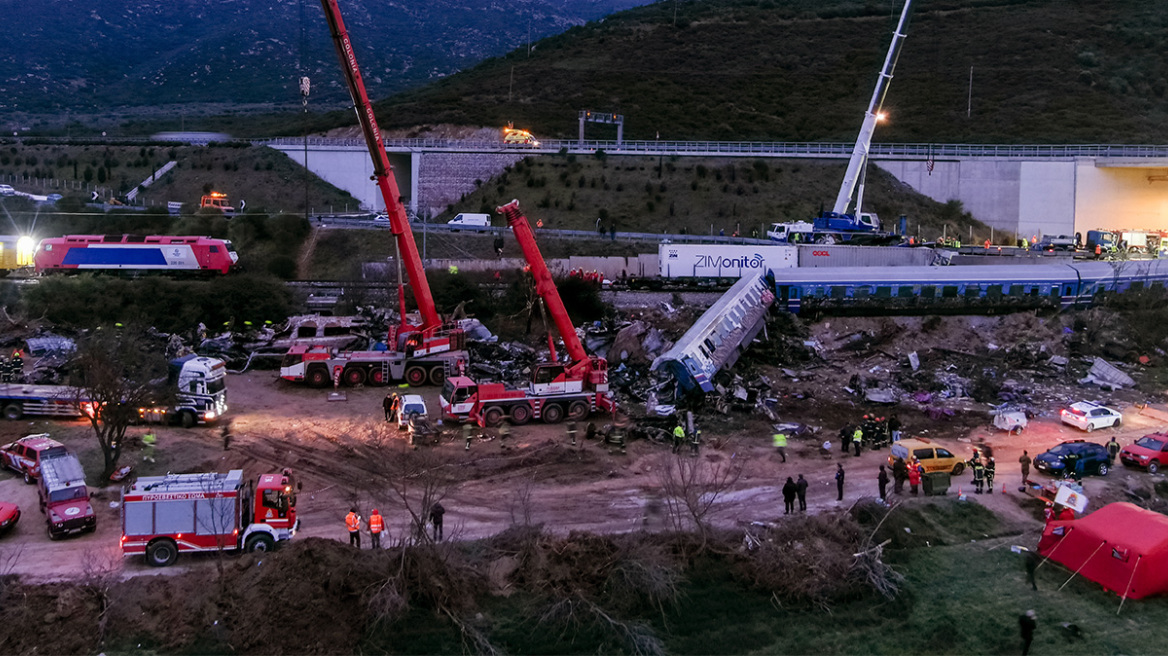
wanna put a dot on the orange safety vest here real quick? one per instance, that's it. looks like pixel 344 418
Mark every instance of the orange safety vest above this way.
pixel 353 522
pixel 375 524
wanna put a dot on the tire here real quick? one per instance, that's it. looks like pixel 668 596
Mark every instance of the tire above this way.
pixel 1118 422
pixel 437 376
pixel 317 377
pixel 377 377
pixel 1153 467
pixel 416 376
pixel 520 414
pixel 259 542
pixel 493 416
pixel 353 376
pixel 187 419
pixel 552 413
pixel 13 411
pixel 28 479
pixel 162 553
pixel 577 410
pixel 1090 427
pixel 1102 469
pixel 958 468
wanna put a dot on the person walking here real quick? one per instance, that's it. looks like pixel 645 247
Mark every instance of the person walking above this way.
pixel 225 433
pixel 801 492
pixel 376 526
pixel 857 437
pixel 845 435
pixel 695 442
pixel 436 513
pixel 990 466
pixel 1027 623
pixel 839 480
pixel 1024 460
pixel 789 490
pixel 504 434
pixel 678 436
pixel 780 441
pixel 914 477
pixel 1112 450
pixel 882 481
pixel 467 434
pixel 572 432
pixel 353 524
pixel 1032 562
pixel 148 443
pixel 899 475
pixel 387 406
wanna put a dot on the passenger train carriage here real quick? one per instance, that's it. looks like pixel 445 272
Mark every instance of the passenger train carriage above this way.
pixel 134 253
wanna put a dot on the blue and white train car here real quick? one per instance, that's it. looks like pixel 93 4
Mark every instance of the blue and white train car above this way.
pixel 719 336
pixel 914 289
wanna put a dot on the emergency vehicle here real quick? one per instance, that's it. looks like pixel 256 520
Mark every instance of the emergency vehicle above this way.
pixel 163 516
pixel 24 455
pixel 64 499
pixel 216 200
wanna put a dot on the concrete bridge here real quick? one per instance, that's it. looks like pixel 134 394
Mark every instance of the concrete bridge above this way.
pixel 1026 189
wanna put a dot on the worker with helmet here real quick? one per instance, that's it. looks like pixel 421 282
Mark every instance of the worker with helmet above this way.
pixel 376 526
pixel 353 524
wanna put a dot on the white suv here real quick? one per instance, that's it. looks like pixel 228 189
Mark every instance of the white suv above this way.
pixel 7 190
pixel 1089 416
pixel 412 405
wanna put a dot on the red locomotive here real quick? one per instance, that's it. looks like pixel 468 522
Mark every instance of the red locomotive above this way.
pixel 134 253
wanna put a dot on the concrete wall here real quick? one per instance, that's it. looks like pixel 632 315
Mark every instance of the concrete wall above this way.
pixel 1115 197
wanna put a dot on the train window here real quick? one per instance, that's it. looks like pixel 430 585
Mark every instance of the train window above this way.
pixel 839 292
pixel 972 291
pixel 112 238
pixel 214 249
pixel 949 291
pixel 135 239
pixel 883 292
pixel 709 344
pixel 1136 285
pixel 861 291
pixel 306 330
pixel 928 291
pixel 1016 290
pixel 994 291
pixel 905 291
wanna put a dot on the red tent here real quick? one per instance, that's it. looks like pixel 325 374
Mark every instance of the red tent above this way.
pixel 1121 546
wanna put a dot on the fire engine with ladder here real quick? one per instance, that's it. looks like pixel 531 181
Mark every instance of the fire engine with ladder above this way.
pixel 425 353
pixel 163 516
pixel 557 390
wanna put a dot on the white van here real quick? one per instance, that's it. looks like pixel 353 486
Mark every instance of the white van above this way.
pixel 466 220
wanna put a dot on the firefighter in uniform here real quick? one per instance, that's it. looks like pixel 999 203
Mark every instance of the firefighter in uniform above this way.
pixel 467 434
pixel 978 474
pixel 695 442
pixel 572 431
pixel 504 433
pixel 989 474
pixel 353 524
pixel 779 439
pixel 678 437
pixel 376 526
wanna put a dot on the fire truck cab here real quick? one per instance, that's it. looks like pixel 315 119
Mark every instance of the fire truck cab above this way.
pixel 165 515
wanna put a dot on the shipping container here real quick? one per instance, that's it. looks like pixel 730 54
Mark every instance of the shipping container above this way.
pixel 723 260
pixel 820 255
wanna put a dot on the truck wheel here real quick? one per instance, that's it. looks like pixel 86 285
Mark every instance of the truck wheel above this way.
pixel 187 419
pixel 318 377
pixel 520 414
pixel 577 410
pixel 13 411
pixel 377 377
pixel 552 413
pixel 416 376
pixel 259 542
pixel 162 553
pixel 437 375
pixel 354 376
pixel 958 468
pixel 493 416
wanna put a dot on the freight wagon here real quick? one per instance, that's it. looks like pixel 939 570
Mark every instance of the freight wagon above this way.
pixel 135 253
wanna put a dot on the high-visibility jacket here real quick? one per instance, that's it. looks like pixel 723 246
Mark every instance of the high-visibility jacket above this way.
pixel 353 522
pixel 858 435
pixel 780 440
pixel 678 432
pixel 376 523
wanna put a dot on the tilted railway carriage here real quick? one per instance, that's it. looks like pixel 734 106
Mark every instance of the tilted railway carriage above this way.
pixel 135 253
pixel 993 288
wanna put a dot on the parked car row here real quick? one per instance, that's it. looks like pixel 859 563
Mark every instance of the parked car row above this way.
pixel 61 491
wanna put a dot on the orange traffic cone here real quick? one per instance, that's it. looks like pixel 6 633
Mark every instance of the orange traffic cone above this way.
pixel 1003 488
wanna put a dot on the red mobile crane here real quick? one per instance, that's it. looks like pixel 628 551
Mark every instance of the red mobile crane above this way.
pixel 427 352
pixel 575 389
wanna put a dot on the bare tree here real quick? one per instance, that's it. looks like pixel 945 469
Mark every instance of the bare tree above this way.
pixel 692 488
pixel 118 370
pixel 417 480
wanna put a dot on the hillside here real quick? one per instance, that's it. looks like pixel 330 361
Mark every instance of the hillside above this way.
pixel 800 70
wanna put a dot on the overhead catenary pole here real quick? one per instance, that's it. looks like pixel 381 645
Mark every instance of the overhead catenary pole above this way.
pixel 864 140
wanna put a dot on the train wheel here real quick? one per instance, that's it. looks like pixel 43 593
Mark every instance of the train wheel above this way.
pixel 318 377
pixel 552 413
pixel 354 376
pixel 577 410
pixel 416 376
pixel 377 377
pixel 520 414
pixel 493 416
pixel 437 375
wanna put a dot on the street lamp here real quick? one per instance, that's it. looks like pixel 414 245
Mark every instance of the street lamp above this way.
pixel 305 87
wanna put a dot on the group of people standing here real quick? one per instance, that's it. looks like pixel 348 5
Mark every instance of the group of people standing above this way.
pixel 376 525
pixel 873 432
pixel 984 471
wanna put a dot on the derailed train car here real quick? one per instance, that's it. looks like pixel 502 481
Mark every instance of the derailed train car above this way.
pixel 135 254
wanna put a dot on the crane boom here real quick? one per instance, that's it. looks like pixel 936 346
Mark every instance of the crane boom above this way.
pixel 864 140
pixel 382 171
pixel 544 285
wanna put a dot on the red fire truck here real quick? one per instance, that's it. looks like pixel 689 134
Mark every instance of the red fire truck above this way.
pixel 165 515
pixel 557 390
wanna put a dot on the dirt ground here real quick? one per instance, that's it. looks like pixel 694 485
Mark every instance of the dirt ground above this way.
pixel 278 424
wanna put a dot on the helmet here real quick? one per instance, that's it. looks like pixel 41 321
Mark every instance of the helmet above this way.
pixel 375 512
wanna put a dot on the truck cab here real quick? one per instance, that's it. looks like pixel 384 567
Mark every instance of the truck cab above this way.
pixel 275 504
pixel 218 201
pixel 199 385
pixel 791 233
pixel 64 499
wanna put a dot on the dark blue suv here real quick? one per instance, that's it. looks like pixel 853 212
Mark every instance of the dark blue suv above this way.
pixel 1075 455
